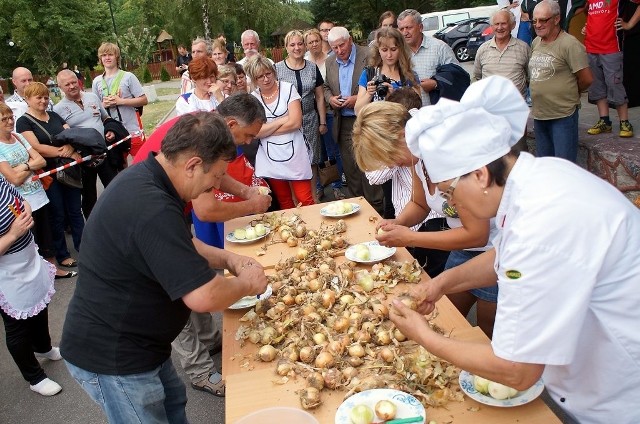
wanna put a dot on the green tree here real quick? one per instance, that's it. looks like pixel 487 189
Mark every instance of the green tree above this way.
pixel 136 45
pixel 47 33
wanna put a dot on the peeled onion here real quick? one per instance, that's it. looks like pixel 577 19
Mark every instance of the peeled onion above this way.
pixel 386 410
pixel 361 414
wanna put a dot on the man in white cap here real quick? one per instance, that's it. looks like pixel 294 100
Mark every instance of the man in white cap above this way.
pixel 568 303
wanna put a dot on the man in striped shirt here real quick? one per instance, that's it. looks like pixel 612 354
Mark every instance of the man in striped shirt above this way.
pixel 504 54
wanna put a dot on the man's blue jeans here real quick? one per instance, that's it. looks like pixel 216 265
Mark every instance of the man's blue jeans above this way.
pixel 557 137
pixel 154 397
pixel 65 200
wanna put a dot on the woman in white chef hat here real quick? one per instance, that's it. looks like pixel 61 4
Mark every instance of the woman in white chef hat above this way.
pixel 567 260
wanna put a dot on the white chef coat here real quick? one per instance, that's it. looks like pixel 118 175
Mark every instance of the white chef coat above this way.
pixel 568 265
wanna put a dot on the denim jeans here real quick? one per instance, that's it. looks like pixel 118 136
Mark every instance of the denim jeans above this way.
pixel 65 200
pixel 458 257
pixel 331 151
pixel 557 137
pixel 524 32
pixel 153 397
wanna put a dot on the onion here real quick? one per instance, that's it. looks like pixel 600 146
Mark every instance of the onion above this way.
pixel 314 285
pixel 324 268
pixel 382 338
pixel 356 350
pixel 349 372
pixel 341 324
pixel 409 301
pixel 310 398
pixel 332 378
pixel 397 334
pixel 312 234
pixel 380 309
pixel 285 234
pixel 254 336
pixel 292 242
pixel 312 274
pixel 338 242
pixel 307 354
pixel 267 353
pixel 315 380
pixel 288 300
pixel 354 361
pixel 291 353
pixel 302 253
pixel 386 410
pixel 325 245
pixel 346 299
pixel 324 360
pixel 365 281
pixel 362 336
pixel 335 348
pixel 284 367
pixel 386 354
pixel 328 298
pixel 308 309
pixel 361 414
pixel 319 338
pixel 301 230
pixel 300 298
pixel 267 335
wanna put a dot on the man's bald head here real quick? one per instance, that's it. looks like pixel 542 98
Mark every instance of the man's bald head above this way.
pixel 21 77
pixel 68 83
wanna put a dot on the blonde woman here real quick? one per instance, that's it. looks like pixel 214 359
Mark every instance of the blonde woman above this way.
pixel 308 81
pixel 378 142
pixel 283 155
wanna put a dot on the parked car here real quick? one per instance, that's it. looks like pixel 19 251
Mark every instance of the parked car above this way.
pixel 435 21
pixel 476 39
pixel 456 35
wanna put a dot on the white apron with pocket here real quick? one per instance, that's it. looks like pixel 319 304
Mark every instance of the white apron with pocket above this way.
pixel 284 156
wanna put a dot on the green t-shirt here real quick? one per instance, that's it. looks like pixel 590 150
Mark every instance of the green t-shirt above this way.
pixel 552 80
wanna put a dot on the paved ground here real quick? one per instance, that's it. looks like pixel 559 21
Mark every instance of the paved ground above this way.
pixel 18 405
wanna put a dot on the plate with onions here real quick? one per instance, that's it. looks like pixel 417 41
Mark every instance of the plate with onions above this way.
pixel 378 405
pixel 495 394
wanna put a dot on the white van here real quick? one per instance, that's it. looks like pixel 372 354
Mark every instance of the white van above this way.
pixel 435 21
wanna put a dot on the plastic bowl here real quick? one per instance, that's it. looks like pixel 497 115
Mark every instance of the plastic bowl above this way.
pixel 278 414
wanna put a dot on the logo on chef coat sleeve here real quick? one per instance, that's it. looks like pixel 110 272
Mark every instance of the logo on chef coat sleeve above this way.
pixel 512 274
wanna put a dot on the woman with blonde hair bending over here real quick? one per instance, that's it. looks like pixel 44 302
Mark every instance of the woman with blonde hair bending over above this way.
pixel 379 141
pixel 283 155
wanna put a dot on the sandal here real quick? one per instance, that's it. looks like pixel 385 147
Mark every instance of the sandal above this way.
pixel 217 389
pixel 69 274
pixel 69 263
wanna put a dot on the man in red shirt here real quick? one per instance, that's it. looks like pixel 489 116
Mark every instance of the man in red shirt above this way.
pixel 604 46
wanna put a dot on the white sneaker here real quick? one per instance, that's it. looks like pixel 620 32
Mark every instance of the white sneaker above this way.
pixel 46 387
pixel 53 354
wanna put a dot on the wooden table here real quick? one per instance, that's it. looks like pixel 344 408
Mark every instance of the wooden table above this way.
pixel 250 384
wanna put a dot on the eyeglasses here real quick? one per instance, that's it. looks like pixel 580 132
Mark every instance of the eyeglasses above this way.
pixel 8 119
pixel 541 21
pixel 264 76
pixel 227 82
pixel 448 195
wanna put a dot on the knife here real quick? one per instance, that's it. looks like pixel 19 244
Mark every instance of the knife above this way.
pixel 417 419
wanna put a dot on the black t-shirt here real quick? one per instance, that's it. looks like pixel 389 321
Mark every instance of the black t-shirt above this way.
pixel 183 60
pixel 54 126
pixel 136 263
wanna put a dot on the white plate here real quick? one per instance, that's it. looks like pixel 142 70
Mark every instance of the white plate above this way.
pixel 231 238
pixel 354 208
pixel 408 406
pixel 526 396
pixel 249 301
pixel 378 253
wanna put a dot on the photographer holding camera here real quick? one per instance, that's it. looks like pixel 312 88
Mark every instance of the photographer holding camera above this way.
pixel 389 68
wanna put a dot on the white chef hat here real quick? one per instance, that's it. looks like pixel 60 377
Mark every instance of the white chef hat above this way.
pixel 455 138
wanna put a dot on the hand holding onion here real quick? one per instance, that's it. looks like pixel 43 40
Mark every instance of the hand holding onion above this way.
pixel 394 235
pixel 411 323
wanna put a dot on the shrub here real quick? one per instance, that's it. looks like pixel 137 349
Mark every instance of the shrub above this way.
pixel 164 74
pixel 146 76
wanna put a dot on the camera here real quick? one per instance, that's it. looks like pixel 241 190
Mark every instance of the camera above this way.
pixel 381 89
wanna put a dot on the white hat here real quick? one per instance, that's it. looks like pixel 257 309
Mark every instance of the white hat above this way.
pixel 454 138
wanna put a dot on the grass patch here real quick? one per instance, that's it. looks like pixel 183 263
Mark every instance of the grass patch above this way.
pixel 153 113
pixel 165 91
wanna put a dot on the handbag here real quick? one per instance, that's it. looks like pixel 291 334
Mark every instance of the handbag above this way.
pixel 71 176
pixel 328 172
pixel 45 181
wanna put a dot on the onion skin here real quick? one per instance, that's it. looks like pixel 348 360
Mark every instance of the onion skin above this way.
pixel 310 398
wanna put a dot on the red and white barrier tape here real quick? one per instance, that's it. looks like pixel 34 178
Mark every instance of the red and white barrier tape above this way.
pixel 84 159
